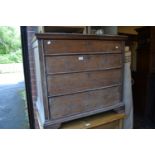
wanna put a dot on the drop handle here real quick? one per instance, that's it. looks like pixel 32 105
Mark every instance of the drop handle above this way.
pixel 116 47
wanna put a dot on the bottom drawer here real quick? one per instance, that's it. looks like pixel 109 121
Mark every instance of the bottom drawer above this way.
pixel 105 120
pixel 70 105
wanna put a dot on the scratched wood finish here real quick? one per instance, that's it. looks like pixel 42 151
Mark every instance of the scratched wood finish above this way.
pixel 58 64
pixel 74 46
pixel 70 83
pixel 68 105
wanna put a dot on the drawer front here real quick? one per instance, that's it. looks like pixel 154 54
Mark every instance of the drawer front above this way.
pixel 70 83
pixel 58 64
pixel 76 46
pixel 83 102
pixel 111 125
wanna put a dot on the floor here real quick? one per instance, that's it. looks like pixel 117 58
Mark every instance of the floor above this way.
pixel 13 110
pixel 143 123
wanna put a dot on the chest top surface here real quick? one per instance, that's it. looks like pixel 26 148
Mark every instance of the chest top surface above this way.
pixel 78 36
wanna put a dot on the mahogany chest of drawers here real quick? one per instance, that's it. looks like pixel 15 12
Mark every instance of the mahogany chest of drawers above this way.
pixel 77 75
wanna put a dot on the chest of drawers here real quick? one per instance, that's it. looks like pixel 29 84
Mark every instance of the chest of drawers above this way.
pixel 77 75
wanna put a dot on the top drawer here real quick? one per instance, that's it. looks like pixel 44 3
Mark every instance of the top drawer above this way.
pixel 76 46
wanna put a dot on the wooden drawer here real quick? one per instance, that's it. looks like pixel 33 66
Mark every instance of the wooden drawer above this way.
pixel 70 83
pixel 111 125
pixel 69 105
pixel 62 64
pixel 106 120
pixel 76 46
